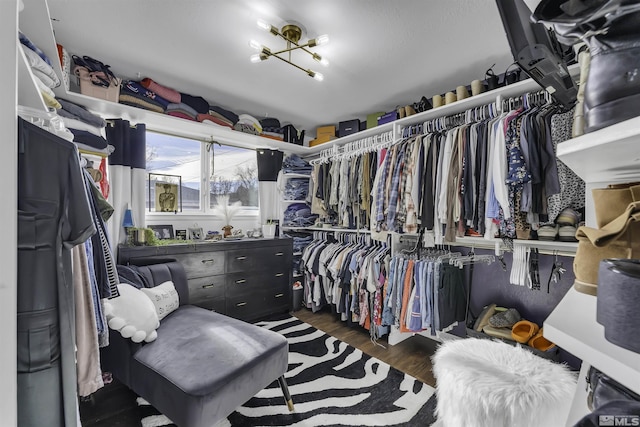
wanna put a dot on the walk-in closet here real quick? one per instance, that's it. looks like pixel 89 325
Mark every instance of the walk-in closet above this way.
pixel 331 213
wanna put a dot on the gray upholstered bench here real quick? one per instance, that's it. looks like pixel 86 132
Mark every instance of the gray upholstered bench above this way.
pixel 203 365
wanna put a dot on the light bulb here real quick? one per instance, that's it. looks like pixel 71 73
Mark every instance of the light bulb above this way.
pixel 323 39
pixel 317 76
pixel 321 60
pixel 255 58
pixel 254 44
pixel 263 24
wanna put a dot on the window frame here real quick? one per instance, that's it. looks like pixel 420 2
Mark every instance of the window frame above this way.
pixel 205 183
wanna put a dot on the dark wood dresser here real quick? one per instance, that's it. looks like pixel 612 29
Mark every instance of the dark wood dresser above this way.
pixel 247 279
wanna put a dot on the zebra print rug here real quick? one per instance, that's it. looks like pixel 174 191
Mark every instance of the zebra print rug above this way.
pixel 332 384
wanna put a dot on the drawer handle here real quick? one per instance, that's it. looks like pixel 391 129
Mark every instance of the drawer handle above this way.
pixel 208 286
pixel 279 253
pixel 240 304
pixel 279 295
pixel 240 258
pixel 240 281
pixel 279 274
pixel 205 261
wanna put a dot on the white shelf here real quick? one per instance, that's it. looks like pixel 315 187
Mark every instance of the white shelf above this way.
pixel 563 248
pixel 572 325
pixel 164 123
pixel 608 155
pixel 515 89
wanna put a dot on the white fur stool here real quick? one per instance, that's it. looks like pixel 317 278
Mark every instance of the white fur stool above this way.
pixel 482 382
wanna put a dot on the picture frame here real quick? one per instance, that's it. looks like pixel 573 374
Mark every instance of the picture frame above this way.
pixel 195 233
pixel 165 193
pixel 181 234
pixel 162 232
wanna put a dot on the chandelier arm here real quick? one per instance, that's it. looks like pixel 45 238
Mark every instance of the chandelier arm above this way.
pixel 290 63
pixel 289 40
pixel 303 47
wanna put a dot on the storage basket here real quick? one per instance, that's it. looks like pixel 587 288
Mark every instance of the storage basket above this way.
pixel 111 93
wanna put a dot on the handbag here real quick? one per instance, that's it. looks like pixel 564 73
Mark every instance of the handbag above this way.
pixel 603 389
pixel 99 73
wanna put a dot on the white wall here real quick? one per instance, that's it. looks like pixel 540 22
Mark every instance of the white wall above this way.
pixel 8 177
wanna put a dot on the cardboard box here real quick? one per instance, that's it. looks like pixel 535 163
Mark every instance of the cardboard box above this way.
pixel 372 119
pixel 321 140
pixel 325 131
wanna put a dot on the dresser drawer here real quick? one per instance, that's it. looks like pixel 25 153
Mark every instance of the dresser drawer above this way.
pixel 245 307
pixel 257 258
pixel 277 299
pixel 202 264
pixel 249 282
pixel 206 288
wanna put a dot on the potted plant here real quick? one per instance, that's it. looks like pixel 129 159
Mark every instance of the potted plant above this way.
pixel 269 229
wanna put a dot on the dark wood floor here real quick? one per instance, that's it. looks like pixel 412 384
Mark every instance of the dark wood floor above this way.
pixel 114 405
pixel 412 356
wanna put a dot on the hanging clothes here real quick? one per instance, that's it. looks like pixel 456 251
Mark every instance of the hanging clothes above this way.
pixel 341 190
pixel 53 217
pixel 349 275
pixel 424 294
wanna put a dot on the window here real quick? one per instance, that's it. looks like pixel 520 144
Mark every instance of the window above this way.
pixel 187 165
pixel 235 172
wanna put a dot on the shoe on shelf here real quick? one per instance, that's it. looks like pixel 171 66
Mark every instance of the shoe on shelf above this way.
pixel 548 232
pixel 483 318
pixel 409 110
pixel 505 319
pixel 567 233
pixel 503 333
pixel 568 217
pixel 524 330
pixel 423 105
pixel 539 342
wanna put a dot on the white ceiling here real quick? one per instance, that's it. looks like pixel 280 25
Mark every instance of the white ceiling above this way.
pixel 382 53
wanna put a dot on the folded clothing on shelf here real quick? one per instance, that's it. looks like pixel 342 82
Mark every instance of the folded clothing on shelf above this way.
pixel 295 164
pixel 183 108
pixel 28 43
pixel 299 215
pixel 198 103
pixel 296 189
pixel 229 115
pixel 78 112
pixel 167 93
pixel 89 139
pixel 208 118
pixel 131 95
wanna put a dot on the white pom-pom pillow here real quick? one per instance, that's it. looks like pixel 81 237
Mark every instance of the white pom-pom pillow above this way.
pixel 164 298
pixel 132 314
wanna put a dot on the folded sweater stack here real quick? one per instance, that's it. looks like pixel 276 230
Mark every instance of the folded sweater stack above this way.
pixel 153 96
pixel 87 128
pixel 42 71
